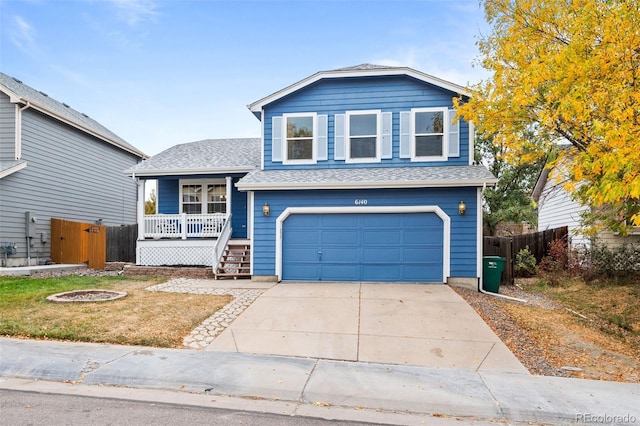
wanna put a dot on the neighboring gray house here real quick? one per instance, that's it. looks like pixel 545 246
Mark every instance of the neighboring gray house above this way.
pixel 56 162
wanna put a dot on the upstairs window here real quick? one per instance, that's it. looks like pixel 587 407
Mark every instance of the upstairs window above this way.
pixel 299 130
pixel 363 136
pixel 429 134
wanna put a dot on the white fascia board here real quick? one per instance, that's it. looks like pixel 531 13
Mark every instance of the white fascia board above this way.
pixel 11 170
pixel 259 105
pixel 364 185
pixel 13 97
pixel 179 172
pixel 446 226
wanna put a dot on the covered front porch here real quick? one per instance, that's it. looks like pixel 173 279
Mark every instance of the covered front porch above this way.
pixel 198 208
pixel 194 221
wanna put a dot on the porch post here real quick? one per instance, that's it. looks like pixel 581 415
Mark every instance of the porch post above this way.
pixel 140 208
pixel 229 187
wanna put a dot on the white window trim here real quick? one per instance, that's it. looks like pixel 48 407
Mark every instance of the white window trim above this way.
pixel 446 226
pixel 203 198
pixel 314 147
pixel 445 136
pixel 347 136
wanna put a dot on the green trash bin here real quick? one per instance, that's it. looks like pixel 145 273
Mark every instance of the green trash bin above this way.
pixel 493 267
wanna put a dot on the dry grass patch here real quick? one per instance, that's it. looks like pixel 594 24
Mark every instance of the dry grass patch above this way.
pixel 141 318
pixel 596 327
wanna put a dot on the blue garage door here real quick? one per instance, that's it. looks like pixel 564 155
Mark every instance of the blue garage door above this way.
pixel 363 247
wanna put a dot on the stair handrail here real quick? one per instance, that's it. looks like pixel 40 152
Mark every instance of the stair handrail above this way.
pixel 221 242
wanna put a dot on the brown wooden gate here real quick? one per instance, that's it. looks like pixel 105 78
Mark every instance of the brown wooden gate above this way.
pixel 78 242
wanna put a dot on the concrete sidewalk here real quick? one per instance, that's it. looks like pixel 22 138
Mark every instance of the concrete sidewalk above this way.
pixel 408 324
pixel 370 392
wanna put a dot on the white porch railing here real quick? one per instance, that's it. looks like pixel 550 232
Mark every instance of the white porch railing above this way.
pixel 221 243
pixel 184 225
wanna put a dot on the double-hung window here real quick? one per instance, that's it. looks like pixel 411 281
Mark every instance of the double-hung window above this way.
pixel 429 134
pixel 191 199
pixel 194 199
pixel 363 136
pixel 216 198
pixel 300 138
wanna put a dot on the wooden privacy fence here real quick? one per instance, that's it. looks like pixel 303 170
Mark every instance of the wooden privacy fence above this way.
pixel 509 247
pixel 78 242
pixel 121 243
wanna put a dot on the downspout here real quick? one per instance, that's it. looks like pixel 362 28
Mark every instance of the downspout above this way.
pixel 18 136
pixel 481 290
pixel 18 155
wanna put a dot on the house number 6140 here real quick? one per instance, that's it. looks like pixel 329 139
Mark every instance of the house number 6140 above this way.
pixel 361 202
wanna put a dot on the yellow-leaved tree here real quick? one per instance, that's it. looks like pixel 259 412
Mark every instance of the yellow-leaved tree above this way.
pixel 569 72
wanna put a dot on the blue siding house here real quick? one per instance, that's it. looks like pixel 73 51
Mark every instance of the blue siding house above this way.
pixel 364 174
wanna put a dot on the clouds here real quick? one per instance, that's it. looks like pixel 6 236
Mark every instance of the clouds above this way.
pixel 23 34
pixel 134 11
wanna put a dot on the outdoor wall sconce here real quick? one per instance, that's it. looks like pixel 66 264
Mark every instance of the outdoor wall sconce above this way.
pixel 265 209
pixel 462 208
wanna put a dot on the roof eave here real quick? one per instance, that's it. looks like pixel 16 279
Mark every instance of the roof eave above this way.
pixel 258 105
pixel 179 172
pixel 11 170
pixel 365 185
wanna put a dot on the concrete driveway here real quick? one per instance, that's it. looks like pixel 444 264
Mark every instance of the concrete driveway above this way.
pixel 412 324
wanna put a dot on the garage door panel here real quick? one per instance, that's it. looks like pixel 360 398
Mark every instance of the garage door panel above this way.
pixel 421 237
pixel 301 271
pixel 382 273
pixel 301 254
pixel 381 237
pixel 338 221
pixel 363 247
pixel 417 273
pixel 381 220
pixel 340 255
pixel 389 255
pixel 345 272
pixel 343 237
pixel 422 255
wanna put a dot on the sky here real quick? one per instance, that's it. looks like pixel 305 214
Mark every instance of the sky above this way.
pixel 164 72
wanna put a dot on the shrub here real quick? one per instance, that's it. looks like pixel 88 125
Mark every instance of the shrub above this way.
pixel 525 265
pixel 555 264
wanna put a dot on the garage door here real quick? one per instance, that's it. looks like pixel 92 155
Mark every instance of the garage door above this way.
pixel 363 247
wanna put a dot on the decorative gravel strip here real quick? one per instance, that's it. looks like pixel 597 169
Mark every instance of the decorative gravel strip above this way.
pixel 206 332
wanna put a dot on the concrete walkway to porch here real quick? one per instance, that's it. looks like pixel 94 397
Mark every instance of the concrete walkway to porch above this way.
pixel 411 324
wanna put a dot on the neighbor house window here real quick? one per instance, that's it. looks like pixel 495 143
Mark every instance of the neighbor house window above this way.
pixel 194 200
pixel 363 136
pixel 429 130
pixel 299 133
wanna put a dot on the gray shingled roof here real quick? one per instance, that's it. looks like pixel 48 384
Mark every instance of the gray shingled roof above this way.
pixel 364 67
pixel 358 178
pixel 206 156
pixel 61 111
